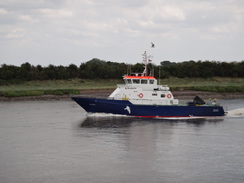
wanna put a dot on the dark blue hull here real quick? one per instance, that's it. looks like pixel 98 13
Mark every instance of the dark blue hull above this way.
pixel 125 107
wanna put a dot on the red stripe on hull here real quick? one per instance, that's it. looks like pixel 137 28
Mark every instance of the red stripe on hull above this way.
pixel 166 116
pixel 178 116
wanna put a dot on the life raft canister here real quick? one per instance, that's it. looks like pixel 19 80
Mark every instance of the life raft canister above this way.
pixel 169 95
pixel 140 95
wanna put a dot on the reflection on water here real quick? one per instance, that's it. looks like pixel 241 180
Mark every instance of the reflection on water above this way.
pixel 106 122
pixel 110 121
pixel 55 141
pixel 163 150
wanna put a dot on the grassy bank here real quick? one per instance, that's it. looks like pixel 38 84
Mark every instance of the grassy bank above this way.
pixel 54 87
pixel 62 87
pixel 215 84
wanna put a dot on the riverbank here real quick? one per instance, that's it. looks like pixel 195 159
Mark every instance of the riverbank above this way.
pixel 182 88
pixel 184 94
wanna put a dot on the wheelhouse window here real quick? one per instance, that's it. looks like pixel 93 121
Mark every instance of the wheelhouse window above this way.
pixel 128 81
pixel 151 81
pixel 136 81
pixel 144 81
pixel 163 95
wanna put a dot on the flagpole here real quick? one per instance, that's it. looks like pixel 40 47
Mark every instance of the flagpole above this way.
pixel 152 56
pixel 159 75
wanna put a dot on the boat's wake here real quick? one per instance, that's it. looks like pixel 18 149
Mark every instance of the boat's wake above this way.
pixel 105 115
pixel 110 115
pixel 236 113
pixel 106 120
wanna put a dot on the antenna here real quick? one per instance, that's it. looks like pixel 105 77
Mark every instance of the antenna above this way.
pixel 128 69
pixel 159 75
pixel 151 57
pixel 145 62
pixel 147 59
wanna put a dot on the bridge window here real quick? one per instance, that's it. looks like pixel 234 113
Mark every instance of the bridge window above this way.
pixel 136 81
pixel 129 81
pixel 144 81
pixel 163 95
pixel 151 81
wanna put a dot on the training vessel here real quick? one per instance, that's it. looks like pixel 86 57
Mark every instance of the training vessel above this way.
pixel 141 96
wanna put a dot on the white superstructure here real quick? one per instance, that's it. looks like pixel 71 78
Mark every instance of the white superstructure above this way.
pixel 139 89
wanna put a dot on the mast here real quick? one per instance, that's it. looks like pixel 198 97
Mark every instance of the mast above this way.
pixel 147 59
pixel 145 62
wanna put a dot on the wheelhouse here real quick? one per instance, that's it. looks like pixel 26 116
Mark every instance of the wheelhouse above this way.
pixel 143 80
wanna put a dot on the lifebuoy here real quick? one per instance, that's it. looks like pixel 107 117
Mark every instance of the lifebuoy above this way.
pixel 140 95
pixel 169 95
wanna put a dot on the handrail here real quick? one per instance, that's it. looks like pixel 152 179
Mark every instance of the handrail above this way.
pixel 89 96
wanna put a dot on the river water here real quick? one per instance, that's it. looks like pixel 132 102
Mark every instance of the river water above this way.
pixel 55 141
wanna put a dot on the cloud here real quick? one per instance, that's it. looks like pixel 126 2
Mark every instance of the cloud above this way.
pixel 3 11
pixel 120 30
pixel 16 33
pixel 53 13
pixel 27 18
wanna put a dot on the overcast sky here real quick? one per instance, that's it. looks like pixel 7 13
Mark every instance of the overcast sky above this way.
pixel 62 32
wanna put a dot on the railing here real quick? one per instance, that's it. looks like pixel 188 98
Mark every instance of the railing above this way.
pixel 207 102
pixel 148 101
pixel 183 102
pixel 90 96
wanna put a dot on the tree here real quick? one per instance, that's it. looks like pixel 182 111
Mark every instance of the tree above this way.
pixel 25 71
pixel 72 71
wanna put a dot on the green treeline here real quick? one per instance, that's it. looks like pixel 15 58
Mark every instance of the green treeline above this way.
pixel 202 69
pixel 93 69
pixel 99 69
